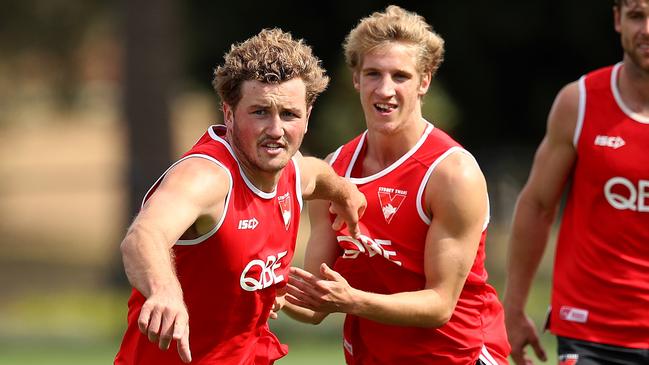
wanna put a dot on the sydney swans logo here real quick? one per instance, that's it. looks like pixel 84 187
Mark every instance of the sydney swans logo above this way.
pixel 390 199
pixel 285 208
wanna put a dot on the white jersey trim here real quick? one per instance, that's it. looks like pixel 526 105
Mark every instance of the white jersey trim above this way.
pixel 581 110
pixel 251 186
pixel 357 151
pixel 424 182
pixel 618 98
pixel 334 156
pixel 486 357
pixel 225 208
pixel 397 163
pixel 298 183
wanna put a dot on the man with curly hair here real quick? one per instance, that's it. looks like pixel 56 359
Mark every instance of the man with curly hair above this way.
pixel 211 247
pixel 414 285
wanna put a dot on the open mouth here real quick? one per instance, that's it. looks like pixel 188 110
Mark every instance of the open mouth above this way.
pixel 273 147
pixel 384 107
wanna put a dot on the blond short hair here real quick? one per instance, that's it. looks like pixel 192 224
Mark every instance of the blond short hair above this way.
pixel 272 56
pixel 395 25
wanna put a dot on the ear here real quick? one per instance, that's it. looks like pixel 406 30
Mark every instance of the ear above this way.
pixel 617 17
pixel 308 115
pixel 356 80
pixel 228 115
pixel 424 83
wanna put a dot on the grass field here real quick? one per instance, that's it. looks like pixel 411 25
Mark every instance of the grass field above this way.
pixel 325 352
pixel 85 329
pixel 312 350
pixel 51 326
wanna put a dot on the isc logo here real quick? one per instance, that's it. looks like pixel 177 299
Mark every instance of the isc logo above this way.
pixel 248 223
pixel 259 275
pixel 608 141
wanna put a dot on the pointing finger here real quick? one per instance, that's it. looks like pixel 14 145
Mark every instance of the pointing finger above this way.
pixel 183 347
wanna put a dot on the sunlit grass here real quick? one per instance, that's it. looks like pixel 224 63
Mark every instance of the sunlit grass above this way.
pixel 85 327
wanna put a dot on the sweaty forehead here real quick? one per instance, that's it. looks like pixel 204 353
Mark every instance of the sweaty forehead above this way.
pixel 288 94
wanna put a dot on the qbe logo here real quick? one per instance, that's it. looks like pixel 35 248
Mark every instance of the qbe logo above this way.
pixel 259 274
pixel 623 194
pixel 367 246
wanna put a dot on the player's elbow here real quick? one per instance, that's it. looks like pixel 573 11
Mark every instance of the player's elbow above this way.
pixel 131 246
pixel 128 243
pixel 435 319
pixel 532 204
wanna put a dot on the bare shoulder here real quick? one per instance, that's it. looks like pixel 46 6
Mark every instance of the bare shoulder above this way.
pixel 457 189
pixel 563 116
pixel 458 171
pixel 198 178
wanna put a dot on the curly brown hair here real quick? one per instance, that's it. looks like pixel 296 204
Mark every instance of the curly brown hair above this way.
pixel 272 56
pixel 395 25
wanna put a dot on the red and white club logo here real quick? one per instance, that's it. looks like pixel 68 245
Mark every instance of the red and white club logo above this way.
pixel 285 208
pixel 390 200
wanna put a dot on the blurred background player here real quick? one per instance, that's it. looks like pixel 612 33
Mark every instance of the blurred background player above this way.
pixel 597 148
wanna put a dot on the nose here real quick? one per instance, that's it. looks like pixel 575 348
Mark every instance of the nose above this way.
pixel 385 87
pixel 275 128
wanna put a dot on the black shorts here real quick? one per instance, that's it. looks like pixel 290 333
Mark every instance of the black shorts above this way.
pixel 576 352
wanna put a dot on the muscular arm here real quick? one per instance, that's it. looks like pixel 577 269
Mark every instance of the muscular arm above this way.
pixel 535 211
pixel 456 196
pixel 192 190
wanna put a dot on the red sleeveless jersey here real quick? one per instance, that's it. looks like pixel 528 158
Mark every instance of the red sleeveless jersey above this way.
pixel 601 271
pixel 390 259
pixel 229 276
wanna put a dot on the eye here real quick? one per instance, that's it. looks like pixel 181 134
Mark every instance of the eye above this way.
pixel 287 114
pixel 401 77
pixel 371 73
pixel 260 112
pixel 636 15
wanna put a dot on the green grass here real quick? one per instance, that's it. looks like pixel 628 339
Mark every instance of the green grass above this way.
pixel 313 352
pixel 57 352
pixel 85 328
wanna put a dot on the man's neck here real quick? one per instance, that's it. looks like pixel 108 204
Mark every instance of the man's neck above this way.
pixel 384 149
pixel 633 85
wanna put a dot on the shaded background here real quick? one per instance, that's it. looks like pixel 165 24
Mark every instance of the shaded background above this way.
pixel 97 98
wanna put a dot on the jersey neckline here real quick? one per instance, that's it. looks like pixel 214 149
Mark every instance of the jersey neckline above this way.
pixel 618 98
pixel 387 170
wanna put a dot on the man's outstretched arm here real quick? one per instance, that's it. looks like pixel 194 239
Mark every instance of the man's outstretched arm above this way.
pixel 190 190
